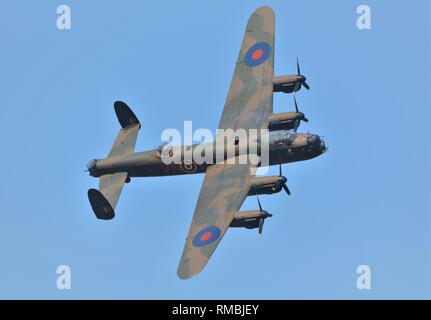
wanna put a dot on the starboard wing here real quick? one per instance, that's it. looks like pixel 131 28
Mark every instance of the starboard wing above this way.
pixel 249 101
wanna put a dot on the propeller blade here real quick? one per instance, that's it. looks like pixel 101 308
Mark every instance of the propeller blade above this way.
pixel 306 86
pixel 296 125
pixel 261 222
pixel 286 189
pixel 258 202
pixel 284 184
pixel 297 109
pixel 297 67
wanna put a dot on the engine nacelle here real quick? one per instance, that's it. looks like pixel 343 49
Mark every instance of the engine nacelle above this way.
pixel 286 84
pixel 266 185
pixel 284 120
pixel 249 219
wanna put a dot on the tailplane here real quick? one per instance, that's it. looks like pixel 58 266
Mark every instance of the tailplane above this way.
pixel 104 200
pixel 126 139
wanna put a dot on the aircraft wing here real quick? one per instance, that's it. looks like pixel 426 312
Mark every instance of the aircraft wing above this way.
pixel 223 191
pixel 249 101
pixel 248 106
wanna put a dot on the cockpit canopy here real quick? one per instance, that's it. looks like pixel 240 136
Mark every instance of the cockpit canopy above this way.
pixel 283 137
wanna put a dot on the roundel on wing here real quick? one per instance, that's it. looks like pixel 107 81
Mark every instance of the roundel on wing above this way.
pixel 257 54
pixel 206 236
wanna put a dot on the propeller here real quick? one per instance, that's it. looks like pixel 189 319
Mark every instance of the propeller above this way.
pixel 261 222
pixel 303 78
pixel 303 118
pixel 264 216
pixel 296 125
pixel 258 202
pixel 284 185
pixel 300 118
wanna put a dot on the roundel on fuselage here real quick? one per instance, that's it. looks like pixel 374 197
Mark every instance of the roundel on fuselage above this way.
pixel 188 166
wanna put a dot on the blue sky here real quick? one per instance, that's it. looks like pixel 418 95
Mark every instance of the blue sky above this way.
pixel 366 201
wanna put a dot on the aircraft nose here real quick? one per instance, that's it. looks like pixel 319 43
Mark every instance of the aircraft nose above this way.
pixel 314 140
pixel 323 146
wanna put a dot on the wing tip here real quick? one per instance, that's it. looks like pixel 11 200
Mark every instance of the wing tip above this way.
pixel 264 10
pixel 187 270
pixel 263 14
pixel 184 276
pixel 184 272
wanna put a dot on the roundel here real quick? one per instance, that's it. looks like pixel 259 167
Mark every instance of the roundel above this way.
pixel 257 54
pixel 206 236
pixel 188 166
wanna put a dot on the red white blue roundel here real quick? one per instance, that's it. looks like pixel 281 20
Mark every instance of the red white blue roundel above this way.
pixel 257 54
pixel 206 236
pixel 188 166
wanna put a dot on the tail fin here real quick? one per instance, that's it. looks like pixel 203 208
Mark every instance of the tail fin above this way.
pixel 104 201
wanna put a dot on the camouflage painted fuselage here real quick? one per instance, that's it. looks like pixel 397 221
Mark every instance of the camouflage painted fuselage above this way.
pixel 284 147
